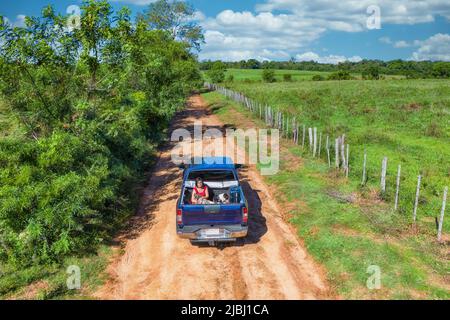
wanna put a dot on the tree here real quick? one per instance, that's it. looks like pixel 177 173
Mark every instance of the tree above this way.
pixel 441 70
pixel 177 18
pixel 253 64
pixel 372 72
pixel 268 75
pixel 340 75
pixel 91 104
pixel 217 72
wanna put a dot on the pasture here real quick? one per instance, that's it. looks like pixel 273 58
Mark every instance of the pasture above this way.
pixel 255 75
pixel 347 227
pixel 407 121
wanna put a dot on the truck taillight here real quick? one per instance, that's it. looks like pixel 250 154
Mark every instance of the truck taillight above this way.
pixel 179 216
pixel 244 214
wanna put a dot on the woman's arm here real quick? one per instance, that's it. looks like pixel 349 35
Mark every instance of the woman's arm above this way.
pixel 206 193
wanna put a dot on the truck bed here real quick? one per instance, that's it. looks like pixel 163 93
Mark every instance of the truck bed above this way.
pixel 218 221
pixel 215 214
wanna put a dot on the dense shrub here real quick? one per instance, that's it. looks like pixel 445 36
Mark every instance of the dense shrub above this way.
pixel 268 75
pixel 217 72
pixel 318 77
pixel 287 77
pixel 441 70
pixel 340 75
pixel 90 122
pixel 371 73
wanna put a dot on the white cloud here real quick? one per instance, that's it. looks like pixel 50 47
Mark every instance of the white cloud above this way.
pixel 385 40
pixel 333 59
pixel 18 22
pixel 353 12
pixel 282 28
pixel 233 48
pixel 401 44
pixel 199 16
pixel 435 48
pixel 266 36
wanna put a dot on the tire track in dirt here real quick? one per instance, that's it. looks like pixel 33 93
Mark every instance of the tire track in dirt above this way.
pixel 269 264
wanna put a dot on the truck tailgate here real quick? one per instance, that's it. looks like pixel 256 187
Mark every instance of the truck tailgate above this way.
pixel 212 214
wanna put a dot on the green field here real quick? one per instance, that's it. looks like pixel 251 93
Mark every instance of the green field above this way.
pixel 255 75
pixel 405 120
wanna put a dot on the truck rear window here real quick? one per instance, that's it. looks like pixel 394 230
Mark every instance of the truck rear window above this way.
pixel 213 175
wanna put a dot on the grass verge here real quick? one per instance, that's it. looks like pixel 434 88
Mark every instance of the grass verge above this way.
pixel 51 282
pixel 349 229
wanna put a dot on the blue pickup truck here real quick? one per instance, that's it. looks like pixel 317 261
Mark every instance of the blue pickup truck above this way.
pixel 216 221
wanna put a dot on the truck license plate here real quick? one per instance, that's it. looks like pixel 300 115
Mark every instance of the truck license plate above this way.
pixel 212 209
pixel 211 232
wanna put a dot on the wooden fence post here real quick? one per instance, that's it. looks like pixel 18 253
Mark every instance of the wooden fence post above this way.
pixel 397 189
pixel 315 142
pixel 265 114
pixel 320 143
pixel 441 218
pixel 383 174
pixel 303 139
pixel 293 129
pixel 287 127
pixel 328 151
pixel 336 149
pixel 416 202
pixel 347 166
pixel 363 181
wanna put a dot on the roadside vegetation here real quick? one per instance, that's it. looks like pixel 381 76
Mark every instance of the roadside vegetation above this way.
pixel 404 120
pixel 81 112
pixel 345 227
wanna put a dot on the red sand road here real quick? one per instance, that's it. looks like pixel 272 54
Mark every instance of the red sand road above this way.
pixel 270 263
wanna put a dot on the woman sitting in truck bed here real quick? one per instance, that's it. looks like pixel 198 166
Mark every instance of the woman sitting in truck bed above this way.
pixel 200 194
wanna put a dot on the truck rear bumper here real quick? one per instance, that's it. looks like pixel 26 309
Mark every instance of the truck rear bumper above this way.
pixel 202 233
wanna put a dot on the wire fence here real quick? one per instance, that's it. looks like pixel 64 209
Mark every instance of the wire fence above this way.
pixel 320 145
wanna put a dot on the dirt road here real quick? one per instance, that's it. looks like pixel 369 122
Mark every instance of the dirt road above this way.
pixel 269 264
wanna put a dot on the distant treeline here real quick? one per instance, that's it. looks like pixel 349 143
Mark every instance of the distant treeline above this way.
pixel 410 69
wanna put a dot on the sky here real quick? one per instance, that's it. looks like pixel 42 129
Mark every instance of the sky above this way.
pixel 319 30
